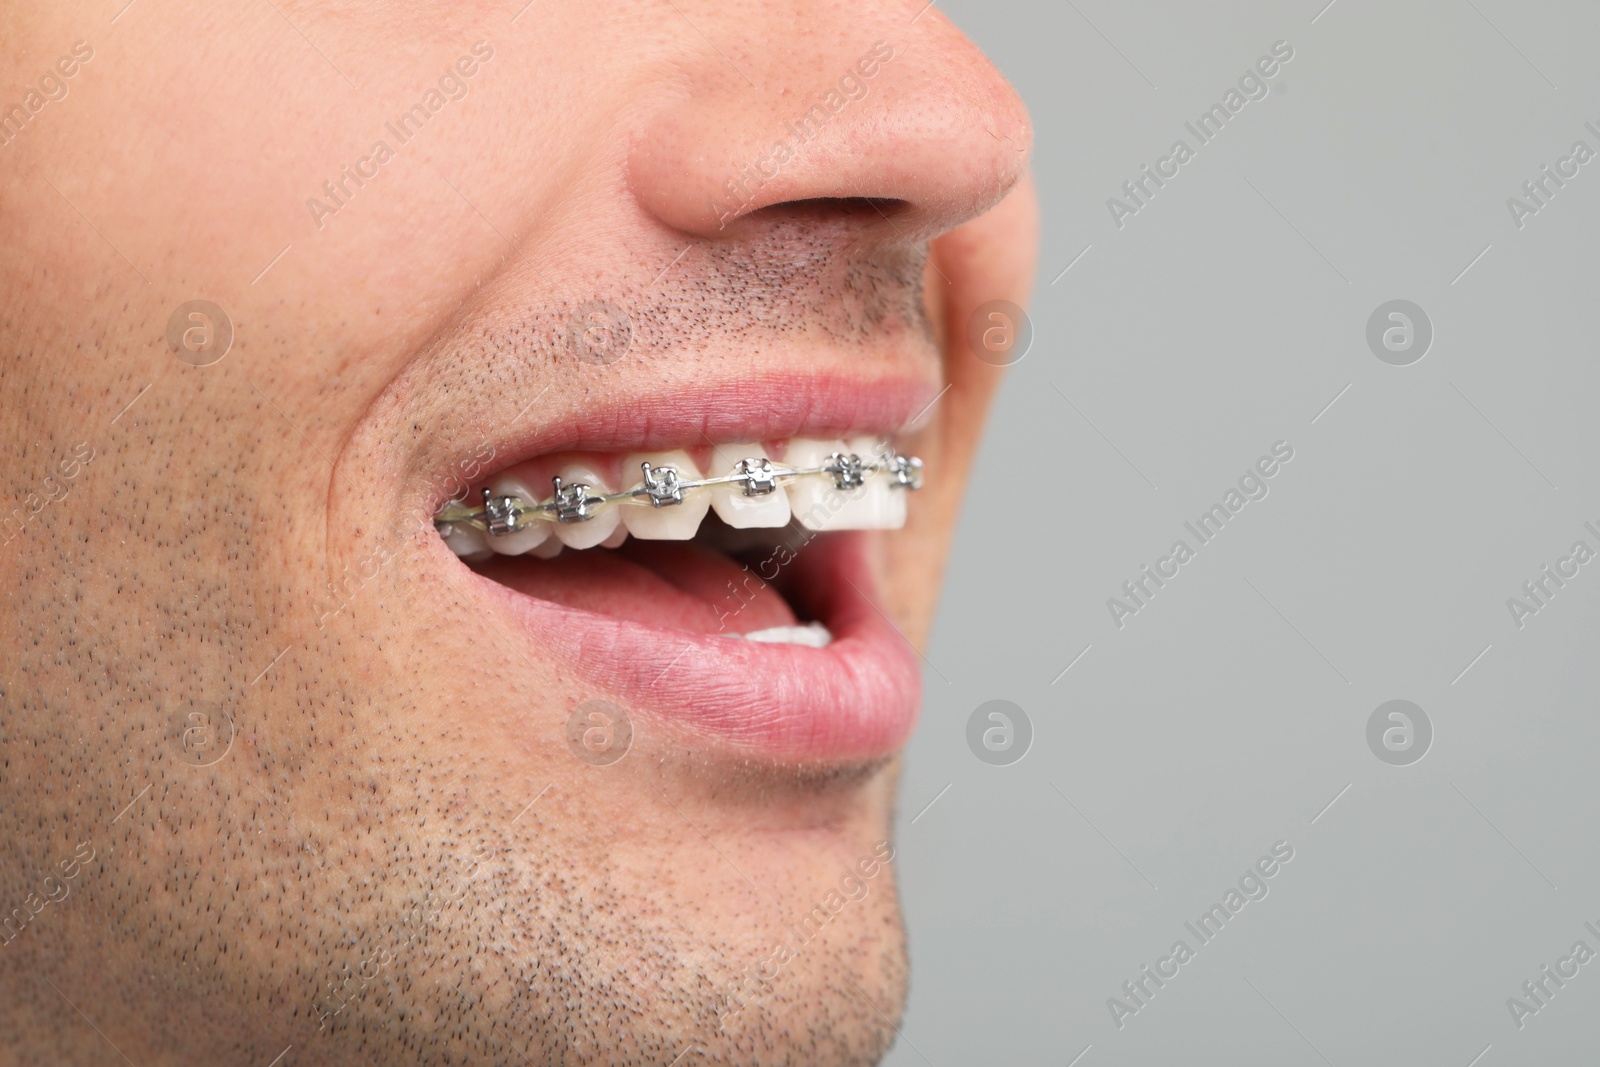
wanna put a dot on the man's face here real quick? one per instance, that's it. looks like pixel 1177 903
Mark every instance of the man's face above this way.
pixel 319 780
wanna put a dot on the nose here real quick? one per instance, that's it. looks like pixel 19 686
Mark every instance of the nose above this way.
pixel 890 118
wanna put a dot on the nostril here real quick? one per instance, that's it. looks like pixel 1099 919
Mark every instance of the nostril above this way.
pixel 828 205
pixel 821 210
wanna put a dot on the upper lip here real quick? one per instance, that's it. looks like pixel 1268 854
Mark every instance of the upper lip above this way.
pixel 764 407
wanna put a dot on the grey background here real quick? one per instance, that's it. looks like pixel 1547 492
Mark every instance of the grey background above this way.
pixel 1223 317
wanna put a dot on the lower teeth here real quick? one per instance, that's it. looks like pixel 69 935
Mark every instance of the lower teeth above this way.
pixel 810 635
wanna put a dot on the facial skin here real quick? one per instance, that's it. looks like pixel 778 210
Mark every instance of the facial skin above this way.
pixel 367 843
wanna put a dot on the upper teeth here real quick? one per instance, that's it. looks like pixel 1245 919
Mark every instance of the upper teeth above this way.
pixel 750 497
pixel 826 485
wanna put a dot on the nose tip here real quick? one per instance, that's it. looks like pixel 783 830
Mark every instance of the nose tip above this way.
pixel 926 125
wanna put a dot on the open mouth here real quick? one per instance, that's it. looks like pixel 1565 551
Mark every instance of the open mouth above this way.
pixel 676 547
pixel 725 588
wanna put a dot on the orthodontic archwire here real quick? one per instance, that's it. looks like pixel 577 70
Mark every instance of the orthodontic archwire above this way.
pixel 663 486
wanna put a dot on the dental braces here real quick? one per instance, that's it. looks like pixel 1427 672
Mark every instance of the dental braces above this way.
pixel 664 486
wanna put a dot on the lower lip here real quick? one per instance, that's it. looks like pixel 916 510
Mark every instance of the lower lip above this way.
pixel 854 700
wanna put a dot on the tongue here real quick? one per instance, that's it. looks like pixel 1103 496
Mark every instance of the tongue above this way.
pixel 675 585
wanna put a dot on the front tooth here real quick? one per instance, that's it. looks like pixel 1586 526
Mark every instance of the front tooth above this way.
pixel 820 505
pixel 673 522
pixel 815 501
pixel 884 506
pixel 468 542
pixel 534 533
pixel 591 531
pixel 746 512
